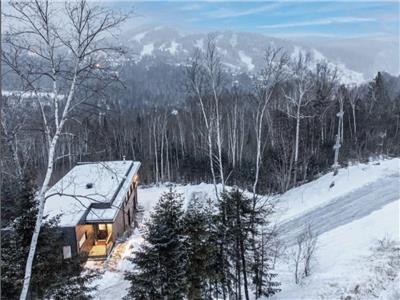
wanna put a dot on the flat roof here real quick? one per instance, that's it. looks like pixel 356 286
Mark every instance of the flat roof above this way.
pixel 90 184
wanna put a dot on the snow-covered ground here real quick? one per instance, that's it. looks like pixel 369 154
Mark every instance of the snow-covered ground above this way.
pixel 299 200
pixel 343 260
pixel 347 260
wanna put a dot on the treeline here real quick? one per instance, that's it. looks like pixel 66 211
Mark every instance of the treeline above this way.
pixel 224 249
pixel 268 132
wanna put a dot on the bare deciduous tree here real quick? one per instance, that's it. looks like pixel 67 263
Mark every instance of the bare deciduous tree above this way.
pixel 297 97
pixel 214 77
pixel 339 135
pixel 273 73
pixel 198 82
pixel 60 48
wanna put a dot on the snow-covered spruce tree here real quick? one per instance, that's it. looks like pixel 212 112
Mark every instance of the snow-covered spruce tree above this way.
pixel 51 271
pixel 160 264
pixel 200 250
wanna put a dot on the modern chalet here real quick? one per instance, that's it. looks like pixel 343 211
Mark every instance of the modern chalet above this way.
pixel 96 204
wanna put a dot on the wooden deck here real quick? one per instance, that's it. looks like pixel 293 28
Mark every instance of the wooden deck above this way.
pixel 98 251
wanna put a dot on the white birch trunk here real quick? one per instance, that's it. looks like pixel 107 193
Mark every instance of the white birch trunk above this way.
pixel 45 186
pixel 219 141
pixel 296 151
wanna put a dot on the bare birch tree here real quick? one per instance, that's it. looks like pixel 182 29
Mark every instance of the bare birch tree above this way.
pixel 339 134
pixel 57 47
pixel 214 73
pixel 272 74
pixel 195 74
pixel 297 97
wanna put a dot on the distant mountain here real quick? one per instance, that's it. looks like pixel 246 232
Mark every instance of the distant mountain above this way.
pixel 244 52
pixel 392 83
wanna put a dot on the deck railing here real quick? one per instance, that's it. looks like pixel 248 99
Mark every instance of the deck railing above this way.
pixel 109 244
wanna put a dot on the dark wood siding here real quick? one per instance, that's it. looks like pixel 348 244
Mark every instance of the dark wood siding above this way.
pixel 69 237
pixel 121 223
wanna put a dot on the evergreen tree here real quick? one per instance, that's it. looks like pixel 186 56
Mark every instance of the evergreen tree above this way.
pixel 8 201
pixel 237 210
pixel 248 245
pixel 53 277
pixel 380 113
pixel 263 247
pixel 265 282
pixel 217 262
pixel 161 262
pixel 200 250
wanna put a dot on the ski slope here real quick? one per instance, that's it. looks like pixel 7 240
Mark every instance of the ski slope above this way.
pixel 345 209
pixel 361 208
pixel 350 219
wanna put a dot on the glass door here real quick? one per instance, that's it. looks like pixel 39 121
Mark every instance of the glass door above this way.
pixel 101 232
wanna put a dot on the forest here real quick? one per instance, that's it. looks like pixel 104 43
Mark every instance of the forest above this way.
pixel 69 94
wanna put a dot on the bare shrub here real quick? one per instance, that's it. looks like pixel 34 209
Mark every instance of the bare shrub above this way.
pixel 303 254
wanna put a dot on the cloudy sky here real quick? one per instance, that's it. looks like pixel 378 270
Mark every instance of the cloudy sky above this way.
pixel 283 18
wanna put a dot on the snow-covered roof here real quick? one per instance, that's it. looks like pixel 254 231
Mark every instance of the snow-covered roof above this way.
pixel 87 185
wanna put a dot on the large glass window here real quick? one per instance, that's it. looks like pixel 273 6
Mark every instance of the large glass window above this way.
pixel 101 231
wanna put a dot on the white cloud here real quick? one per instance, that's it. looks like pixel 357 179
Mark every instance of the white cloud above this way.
pixel 319 22
pixel 232 13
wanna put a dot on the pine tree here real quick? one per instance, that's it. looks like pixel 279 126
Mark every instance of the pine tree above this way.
pixel 223 260
pixel 160 264
pixel 266 285
pixel 199 249
pixel 216 261
pixel 380 112
pixel 72 281
pixel 247 249
pixel 234 209
pixel 264 248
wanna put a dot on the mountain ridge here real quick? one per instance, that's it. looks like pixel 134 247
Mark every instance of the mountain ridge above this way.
pixel 244 52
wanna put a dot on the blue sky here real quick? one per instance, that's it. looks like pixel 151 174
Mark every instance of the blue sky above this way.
pixel 281 18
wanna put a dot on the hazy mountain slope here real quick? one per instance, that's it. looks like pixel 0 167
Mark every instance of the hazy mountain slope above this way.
pixel 365 55
pixel 245 51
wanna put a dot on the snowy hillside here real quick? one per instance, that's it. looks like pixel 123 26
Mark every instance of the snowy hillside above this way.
pixel 304 198
pixel 240 51
pixel 359 233
pixel 357 259
pixel 349 258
